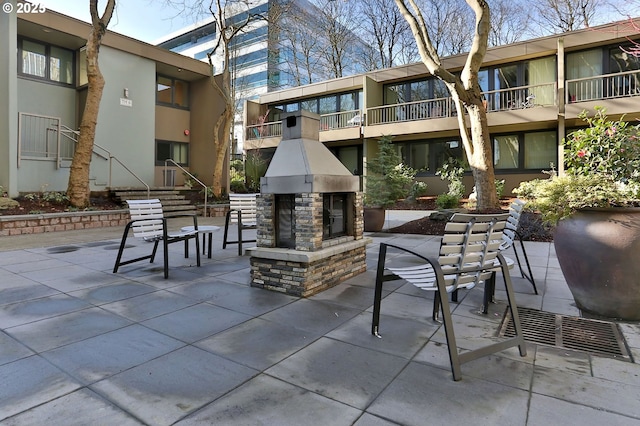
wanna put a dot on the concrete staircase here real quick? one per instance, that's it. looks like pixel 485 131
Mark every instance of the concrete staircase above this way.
pixel 172 201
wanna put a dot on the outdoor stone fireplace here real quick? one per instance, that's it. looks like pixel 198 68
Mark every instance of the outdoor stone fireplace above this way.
pixel 309 216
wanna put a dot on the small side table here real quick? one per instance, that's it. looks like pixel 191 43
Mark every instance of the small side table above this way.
pixel 204 230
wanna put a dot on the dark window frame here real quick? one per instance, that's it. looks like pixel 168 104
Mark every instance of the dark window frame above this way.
pixel 173 103
pixel 171 147
pixel 47 69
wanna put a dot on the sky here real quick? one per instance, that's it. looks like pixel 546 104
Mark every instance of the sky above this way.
pixel 146 20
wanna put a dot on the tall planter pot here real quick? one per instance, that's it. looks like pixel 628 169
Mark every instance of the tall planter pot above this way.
pixel 374 218
pixel 599 254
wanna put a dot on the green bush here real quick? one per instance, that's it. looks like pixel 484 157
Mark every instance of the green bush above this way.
pixel 447 201
pixel 453 171
pixel 388 180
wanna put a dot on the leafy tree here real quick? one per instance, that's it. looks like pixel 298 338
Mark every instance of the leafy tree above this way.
pixel 78 187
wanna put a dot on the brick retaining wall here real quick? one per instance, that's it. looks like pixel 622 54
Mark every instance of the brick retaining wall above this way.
pixel 67 221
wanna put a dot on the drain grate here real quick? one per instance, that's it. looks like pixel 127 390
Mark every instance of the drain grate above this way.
pixel 581 334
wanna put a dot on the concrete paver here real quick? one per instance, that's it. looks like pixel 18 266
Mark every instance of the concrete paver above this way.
pixel 80 345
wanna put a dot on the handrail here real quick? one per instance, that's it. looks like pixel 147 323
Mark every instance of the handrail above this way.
pixel 169 160
pixel 111 157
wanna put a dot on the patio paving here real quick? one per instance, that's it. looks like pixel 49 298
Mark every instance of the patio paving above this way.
pixel 82 346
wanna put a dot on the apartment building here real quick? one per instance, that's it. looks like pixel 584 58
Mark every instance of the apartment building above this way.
pixel 156 105
pixel 261 57
pixel 534 92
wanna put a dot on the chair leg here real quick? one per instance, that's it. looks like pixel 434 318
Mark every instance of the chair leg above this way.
pixel 443 297
pixel 436 306
pixel 226 229
pixel 489 291
pixel 513 308
pixel 528 276
pixel 198 249
pixel 165 245
pixel 378 291
pixel 239 232
pixel 122 244
pixel 155 249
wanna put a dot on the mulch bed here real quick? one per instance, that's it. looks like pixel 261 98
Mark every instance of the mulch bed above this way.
pixel 37 206
pixel 531 226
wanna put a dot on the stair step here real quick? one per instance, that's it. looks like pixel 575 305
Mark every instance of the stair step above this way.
pixel 144 193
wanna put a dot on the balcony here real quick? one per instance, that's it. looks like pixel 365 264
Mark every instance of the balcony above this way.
pixel 506 107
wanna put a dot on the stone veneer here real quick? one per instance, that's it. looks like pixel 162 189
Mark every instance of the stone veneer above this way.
pixel 314 265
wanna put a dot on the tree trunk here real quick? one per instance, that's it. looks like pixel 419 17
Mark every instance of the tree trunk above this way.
pixel 481 159
pixel 78 189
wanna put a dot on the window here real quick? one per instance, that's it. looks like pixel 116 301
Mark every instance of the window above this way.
pixel 532 151
pixel 176 151
pixel 506 151
pixel 540 150
pixel 173 92
pixel 50 63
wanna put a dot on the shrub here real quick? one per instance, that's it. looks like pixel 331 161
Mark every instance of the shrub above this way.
pixel 447 201
pixel 453 171
pixel 388 180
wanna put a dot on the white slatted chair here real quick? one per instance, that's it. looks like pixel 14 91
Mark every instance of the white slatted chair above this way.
pixel 509 236
pixel 468 254
pixel 149 222
pixel 242 212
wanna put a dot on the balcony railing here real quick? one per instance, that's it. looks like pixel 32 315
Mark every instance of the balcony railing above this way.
pixel 521 97
pixel 411 111
pixel 609 86
pixel 266 130
pixel 341 120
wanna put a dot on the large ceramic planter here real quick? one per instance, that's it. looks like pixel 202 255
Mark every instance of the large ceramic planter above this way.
pixel 374 219
pixel 599 253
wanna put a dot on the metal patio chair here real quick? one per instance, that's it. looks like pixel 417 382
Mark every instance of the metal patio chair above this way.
pixel 469 254
pixel 149 222
pixel 242 212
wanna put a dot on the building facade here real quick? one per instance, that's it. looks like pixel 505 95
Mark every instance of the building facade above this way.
pixel 534 92
pixel 156 105
pixel 262 55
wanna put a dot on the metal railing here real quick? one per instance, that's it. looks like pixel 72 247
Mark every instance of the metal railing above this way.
pixel 341 120
pixel 192 177
pixel 266 130
pixel 42 137
pixel 608 86
pixel 35 141
pixel 521 97
pixel 411 111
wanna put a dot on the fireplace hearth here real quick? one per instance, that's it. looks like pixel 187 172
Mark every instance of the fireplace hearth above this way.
pixel 309 216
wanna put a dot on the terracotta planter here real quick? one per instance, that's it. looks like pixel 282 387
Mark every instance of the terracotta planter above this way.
pixel 599 253
pixel 374 219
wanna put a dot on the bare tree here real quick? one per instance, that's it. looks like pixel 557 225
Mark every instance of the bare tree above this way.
pixel 558 16
pixel 78 189
pixel 465 92
pixel 232 18
pixel 385 29
pixel 449 24
pixel 300 43
pixel 510 22
pixel 336 24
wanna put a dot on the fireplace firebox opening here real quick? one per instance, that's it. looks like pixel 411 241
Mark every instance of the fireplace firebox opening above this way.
pixel 285 205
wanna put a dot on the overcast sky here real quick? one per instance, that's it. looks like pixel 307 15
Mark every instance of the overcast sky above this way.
pixel 146 20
